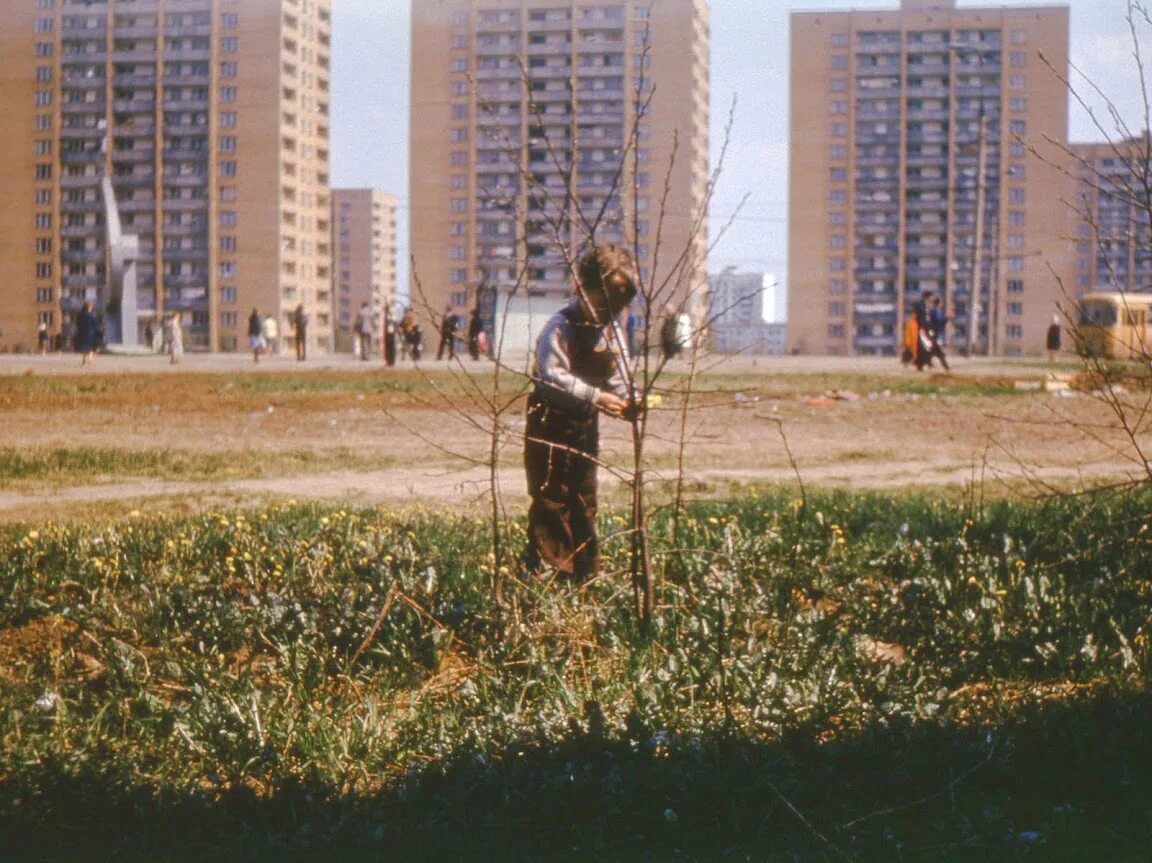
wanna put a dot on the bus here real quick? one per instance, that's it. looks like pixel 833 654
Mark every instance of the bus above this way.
pixel 1115 326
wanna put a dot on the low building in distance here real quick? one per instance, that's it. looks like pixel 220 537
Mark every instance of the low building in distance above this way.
pixel 742 315
pixel 364 258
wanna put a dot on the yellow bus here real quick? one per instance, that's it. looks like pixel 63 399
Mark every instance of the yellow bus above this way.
pixel 1115 326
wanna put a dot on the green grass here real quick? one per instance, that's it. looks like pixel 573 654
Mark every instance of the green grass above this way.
pixel 59 466
pixel 855 677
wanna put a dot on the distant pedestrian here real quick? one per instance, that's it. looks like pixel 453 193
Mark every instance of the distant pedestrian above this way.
pixel 300 325
pixel 389 338
pixel 475 330
pixel 174 337
pixel 42 338
pixel 1053 340
pixel 365 328
pixel 449 329
pixel 937 321
pixel 149 336
pixel 411 339
pixel 87 334
pixel 271 330
pixel 669 335
pixel 631 327
pixel 256 342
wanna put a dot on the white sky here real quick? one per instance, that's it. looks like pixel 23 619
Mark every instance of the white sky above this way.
pixel 370 95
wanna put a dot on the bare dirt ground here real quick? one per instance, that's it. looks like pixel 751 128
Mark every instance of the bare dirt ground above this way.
pixel 855 423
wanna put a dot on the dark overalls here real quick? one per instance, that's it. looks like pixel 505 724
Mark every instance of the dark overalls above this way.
pixel 562 441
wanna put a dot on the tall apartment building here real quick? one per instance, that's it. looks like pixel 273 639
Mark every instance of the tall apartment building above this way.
pixel 737 311
pixel 364 256
pixel 901 121
pixel 211 119
pixel 1114 217
pixel 512 100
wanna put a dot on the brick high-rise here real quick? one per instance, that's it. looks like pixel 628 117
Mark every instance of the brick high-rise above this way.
pixel 211 118
pixel 493 140
pixel 888 160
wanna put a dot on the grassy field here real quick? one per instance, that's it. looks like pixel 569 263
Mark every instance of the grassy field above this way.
pixel 850 677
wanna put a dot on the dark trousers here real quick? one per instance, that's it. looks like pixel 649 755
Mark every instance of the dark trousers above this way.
pixel 301 346
pixel 559 461
pixel 447 343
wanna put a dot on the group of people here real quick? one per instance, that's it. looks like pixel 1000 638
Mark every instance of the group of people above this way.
pixel 264 333
pixel 924 333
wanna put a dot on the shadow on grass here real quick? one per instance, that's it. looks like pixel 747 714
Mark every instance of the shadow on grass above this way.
pixel 1057 781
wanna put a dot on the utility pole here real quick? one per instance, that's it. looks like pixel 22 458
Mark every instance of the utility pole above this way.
pixel 976 293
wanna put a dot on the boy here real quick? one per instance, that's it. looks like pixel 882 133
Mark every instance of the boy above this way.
pixel 577 373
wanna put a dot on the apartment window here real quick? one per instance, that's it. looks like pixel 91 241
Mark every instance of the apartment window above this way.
pixel 229 44
pixel 838 40
pixel 459 112
pixel 1017 37
pixel 835 310
pixel 838 106
pixel 1018 81
pixel 460 64
pixel 43 270
pixel 838 130
pixel 43 25
pixel 1016 217
pixel 837 241
pixel 227 94
pixel 227 219
pixel 228 144
pixel 458 136
pixel 459 88
pixel 43 220
pixel 458 181
pixel 457 253
pixel 459 19
pixel 43 122
pixel 1016 196
pixel 1017 59
pixel 459 41
pixel 1015 309
pixel 1018 104
pixel 229 19
pixel 43 196
pixel 228 244
pixel 228 69
pixel 43 73
pixel 43 172
pixel 43 97
pixel 459 205
pixel 43 148
pixel 837 265
pixel 838 85
pixel 43 295
pixel 227 119
pixel 227 269
pixel 1014 331
pixel 837 196
pixel 836 219
pixel 1015 264
pixel 228 319
pixel 227 169
pixel 1015 286
pixel 839 62
pixel 838 175
pixel 1017 128
pixel 835 331
pixel 836 287
pixel 459 277
pixel 1015 241
pixel 227 193
pixel 43 245
pixel 1016 150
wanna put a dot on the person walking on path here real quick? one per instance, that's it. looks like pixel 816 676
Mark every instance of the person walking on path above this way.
pixel 300 324
pixel 577 374
pixel 1053 338
pixel 449 329
pixel 937 321
pixel 174 337
pixel 365 328
pixel 87 334
pixel 475 329
pixel 256 342
pixel 42 338
pixel 271 332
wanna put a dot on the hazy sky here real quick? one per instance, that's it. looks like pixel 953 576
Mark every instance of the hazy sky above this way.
pixel 371 68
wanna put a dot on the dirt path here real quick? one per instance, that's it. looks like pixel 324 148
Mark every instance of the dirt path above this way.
pixel 776 423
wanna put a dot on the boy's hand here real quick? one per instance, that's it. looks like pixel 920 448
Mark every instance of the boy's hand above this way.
pixel 611 403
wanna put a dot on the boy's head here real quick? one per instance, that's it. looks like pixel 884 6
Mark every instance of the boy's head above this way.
pixel 608 281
